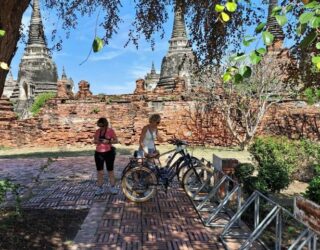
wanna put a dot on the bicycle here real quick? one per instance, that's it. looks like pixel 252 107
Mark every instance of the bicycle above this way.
pixel 199 181
pixel 141 176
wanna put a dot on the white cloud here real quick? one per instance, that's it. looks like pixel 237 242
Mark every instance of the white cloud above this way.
pixel 139 71
pixel 106 56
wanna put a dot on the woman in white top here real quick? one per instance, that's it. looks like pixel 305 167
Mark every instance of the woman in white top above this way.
pixel 148 136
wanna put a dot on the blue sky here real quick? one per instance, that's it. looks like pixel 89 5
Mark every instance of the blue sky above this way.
pixel 111 71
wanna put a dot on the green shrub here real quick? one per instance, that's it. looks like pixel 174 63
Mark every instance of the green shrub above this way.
pixel 95 111
pixel 40 101
pixel 243 171
pixel 277 159
pixel 313 190
pixel 6 186
pixel 253 183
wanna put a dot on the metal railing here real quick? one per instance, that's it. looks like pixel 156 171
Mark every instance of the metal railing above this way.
pixel 276 219
pixel 258 223
pixel 218 198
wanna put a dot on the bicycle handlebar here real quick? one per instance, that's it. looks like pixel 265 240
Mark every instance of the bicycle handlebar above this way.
pixel 177 142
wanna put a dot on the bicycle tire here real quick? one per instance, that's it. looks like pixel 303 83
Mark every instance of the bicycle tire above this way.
pixel 139 184
pixel 131 164
pixel 184 167
pixel 191 182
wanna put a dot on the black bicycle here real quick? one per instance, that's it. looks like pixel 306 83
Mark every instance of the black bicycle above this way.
pixel 142 176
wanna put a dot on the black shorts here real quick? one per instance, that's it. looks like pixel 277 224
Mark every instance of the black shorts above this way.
pixel 104 157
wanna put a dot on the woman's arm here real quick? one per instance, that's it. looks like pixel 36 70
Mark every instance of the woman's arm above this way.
pixel 143 134
pixel 96 137
pixel 114 138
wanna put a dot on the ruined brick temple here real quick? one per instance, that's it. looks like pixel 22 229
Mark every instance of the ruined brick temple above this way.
pixel 70 118
pixel 37 71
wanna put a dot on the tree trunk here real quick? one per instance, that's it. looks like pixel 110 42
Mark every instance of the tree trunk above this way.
pixel 11 12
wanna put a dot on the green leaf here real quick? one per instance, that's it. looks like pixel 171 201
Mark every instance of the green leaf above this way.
pixel 301 29
pixel 310 95
pixel 306 17
pixel 226 77
pixel 2 33
pixel 282 20
pixel 267 37
pixel 231 6
pixel 254 58
pixel 316 59
pixel 219 8
pixel 225 17
pixel 238 57
pixel 289 8
pixel 248 40
pixel 276 10
pixel 312 5
pixel 232 68
pixel 318 45
pixel 97 44
pixel 238 78
pixel 245 71
pixel 315 22
pixel 261 51
pixel 260 27
pixel 308 39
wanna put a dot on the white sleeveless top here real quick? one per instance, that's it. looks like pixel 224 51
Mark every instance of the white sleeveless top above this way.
pixel 148 140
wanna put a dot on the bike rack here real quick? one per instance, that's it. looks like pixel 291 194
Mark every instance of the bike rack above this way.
pixel 212 206
pixel 305 237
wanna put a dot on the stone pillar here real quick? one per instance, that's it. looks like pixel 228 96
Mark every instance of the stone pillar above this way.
pixel 62 90
pixel 139 87
pixel 84 90
pixel 227 166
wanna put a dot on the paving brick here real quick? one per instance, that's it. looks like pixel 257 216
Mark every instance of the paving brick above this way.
pixel 150 209
pixel 167 221
pixel 110 223
pixel 130 228
pixel 131 245
pixel 151 221
pixel 198 236
pixel 131 215
pixel 106 247
pixel 178 245
pixel 106 238
pixel 153 237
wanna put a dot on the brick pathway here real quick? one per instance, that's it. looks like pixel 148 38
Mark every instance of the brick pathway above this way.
pixel 168 221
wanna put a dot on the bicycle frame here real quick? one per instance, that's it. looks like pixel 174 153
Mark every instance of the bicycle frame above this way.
pixel 170 170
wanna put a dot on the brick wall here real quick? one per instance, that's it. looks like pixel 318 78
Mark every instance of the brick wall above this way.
pixel 70 122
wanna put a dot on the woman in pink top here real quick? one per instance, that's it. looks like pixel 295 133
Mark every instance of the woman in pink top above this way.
pixel 104 138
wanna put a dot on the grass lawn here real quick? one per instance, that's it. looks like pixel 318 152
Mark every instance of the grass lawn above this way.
pixel 54 152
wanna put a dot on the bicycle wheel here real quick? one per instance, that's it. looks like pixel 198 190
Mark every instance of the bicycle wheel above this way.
pixel 131 164
pixel 184 167
pixel 139 184
pixel 198 181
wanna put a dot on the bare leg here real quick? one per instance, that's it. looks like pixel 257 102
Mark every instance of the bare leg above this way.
pixel 111 178
pixel 100 178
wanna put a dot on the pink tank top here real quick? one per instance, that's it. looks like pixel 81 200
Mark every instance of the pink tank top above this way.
pixel 101 147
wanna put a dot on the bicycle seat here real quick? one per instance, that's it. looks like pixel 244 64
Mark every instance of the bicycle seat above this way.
pixel 177 142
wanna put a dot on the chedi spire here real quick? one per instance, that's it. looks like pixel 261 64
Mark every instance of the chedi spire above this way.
pixel 36 33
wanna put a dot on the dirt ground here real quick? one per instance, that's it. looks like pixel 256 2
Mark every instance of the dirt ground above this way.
pixel 39 229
